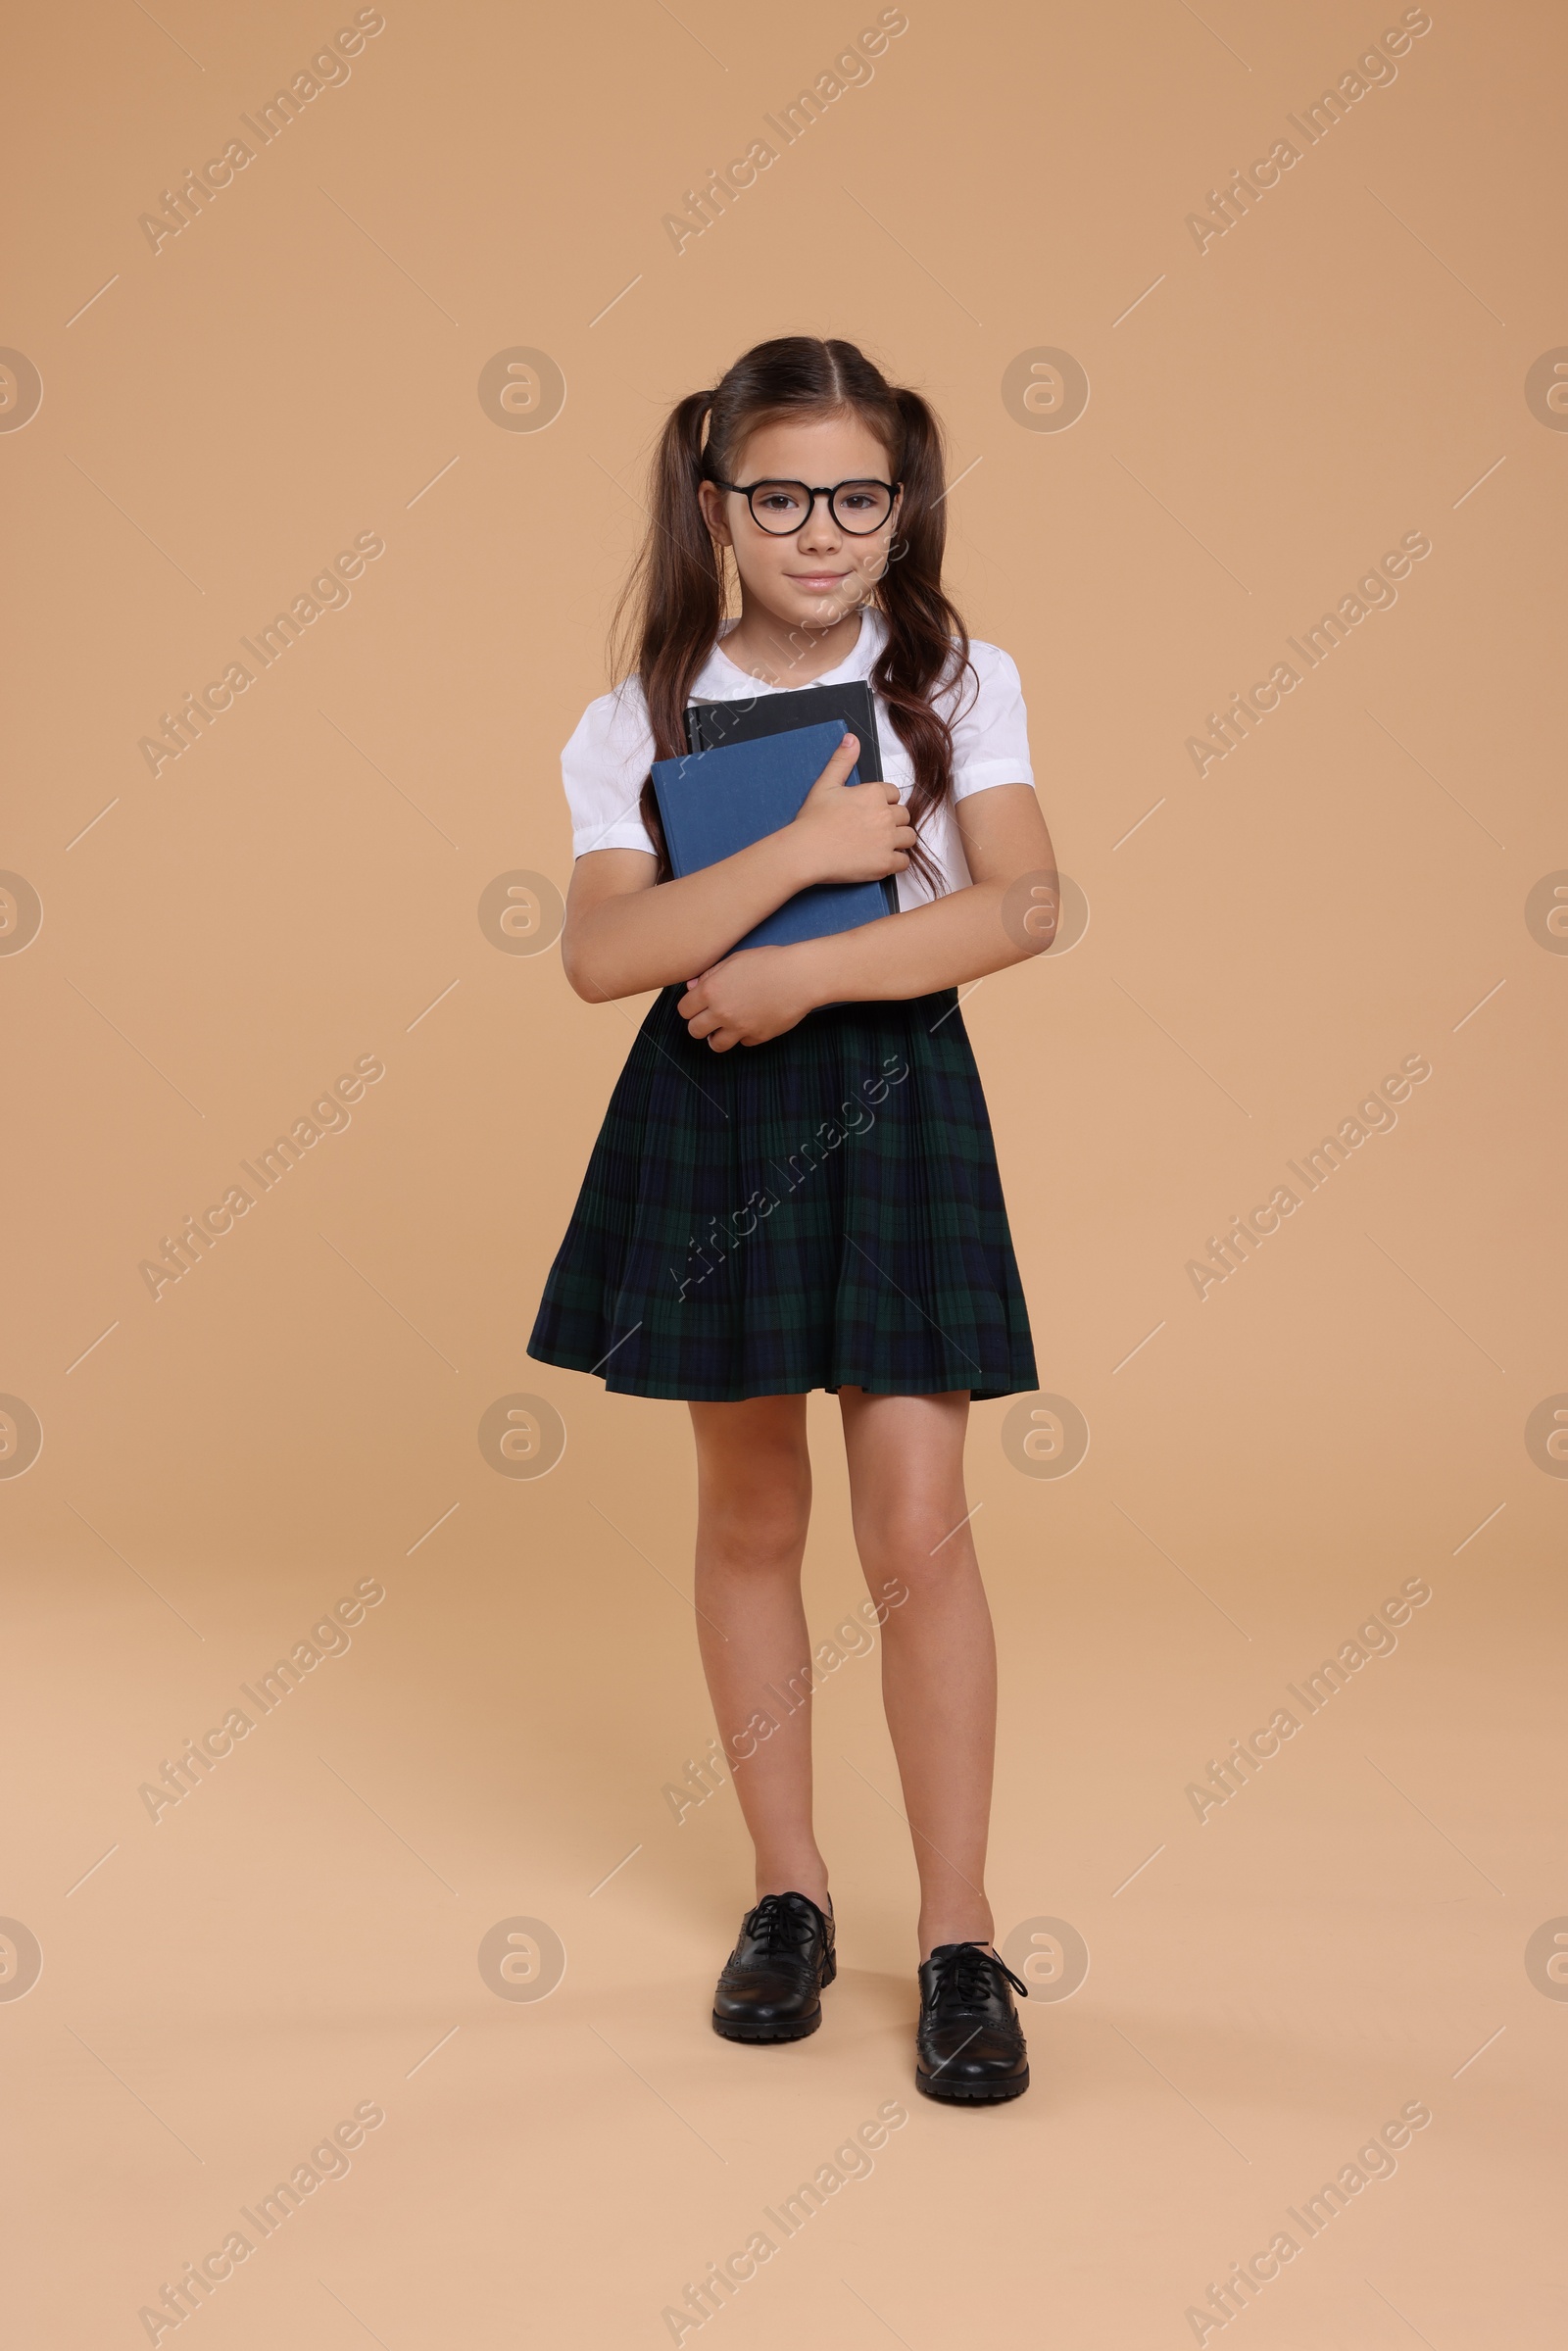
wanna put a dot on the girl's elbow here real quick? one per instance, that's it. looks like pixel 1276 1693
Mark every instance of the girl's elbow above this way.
pixel 582 976
pixel 597 977
pixel 586 983
pixel 1031 913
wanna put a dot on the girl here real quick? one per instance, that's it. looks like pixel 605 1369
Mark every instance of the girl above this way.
pixel 821 1207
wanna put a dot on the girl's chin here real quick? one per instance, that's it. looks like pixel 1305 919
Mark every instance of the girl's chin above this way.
pixel 823 605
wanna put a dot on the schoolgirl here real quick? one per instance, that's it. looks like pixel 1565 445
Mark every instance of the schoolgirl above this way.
pixel 795 1185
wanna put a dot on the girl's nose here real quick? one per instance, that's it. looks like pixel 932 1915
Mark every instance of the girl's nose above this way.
pixel 821 529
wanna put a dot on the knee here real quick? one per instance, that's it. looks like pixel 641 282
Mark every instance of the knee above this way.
pixel 757 1523
pixel 913 1548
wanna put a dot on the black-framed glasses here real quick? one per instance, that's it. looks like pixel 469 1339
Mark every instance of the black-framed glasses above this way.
pixel 782 508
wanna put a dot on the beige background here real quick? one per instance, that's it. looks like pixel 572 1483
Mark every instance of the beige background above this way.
pixel 300 365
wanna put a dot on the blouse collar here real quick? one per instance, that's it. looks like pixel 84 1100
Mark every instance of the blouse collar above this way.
pixel 718 670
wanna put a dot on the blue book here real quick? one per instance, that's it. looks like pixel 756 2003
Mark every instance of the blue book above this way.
pixel 714 803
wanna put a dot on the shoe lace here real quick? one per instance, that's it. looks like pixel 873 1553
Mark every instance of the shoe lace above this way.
pixel 970 1974
pixel 778 1925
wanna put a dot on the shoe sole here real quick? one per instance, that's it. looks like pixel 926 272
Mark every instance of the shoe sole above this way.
pixel 970 2094
pixel 728 2029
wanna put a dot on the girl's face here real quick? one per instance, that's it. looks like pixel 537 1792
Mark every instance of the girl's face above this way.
pixel 820 572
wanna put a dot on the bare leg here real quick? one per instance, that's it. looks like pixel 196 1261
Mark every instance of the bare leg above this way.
pixel 939 1659
pixel 754 1503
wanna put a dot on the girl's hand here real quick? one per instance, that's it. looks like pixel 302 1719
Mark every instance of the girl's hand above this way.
pixel 748 996
pixel 852 832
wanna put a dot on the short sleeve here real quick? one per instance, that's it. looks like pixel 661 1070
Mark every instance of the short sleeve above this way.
pixel 990 726
pixel 604 769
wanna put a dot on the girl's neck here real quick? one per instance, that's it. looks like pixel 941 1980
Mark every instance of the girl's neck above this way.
pixel 785 656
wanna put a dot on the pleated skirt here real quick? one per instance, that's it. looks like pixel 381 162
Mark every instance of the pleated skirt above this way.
pixel 821 1211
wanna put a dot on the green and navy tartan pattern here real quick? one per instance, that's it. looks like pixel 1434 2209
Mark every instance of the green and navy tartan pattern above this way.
pixel 821 1211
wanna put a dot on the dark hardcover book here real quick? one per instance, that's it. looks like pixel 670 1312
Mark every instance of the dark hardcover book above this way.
pixel 714 803
pixel 711 724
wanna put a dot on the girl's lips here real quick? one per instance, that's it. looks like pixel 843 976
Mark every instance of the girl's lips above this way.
pixel 818 580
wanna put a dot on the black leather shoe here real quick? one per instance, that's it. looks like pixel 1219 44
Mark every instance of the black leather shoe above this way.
pixel 772 1978
pixel 969 2045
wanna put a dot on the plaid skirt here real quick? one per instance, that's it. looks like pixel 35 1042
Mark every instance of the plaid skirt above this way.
pixel 821 1211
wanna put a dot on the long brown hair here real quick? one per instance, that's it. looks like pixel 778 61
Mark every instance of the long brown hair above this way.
pixel 675 601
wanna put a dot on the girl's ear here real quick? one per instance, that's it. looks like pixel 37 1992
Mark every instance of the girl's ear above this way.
pixel 712 500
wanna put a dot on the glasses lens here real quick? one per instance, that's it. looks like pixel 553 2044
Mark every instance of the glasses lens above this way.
pixel 862 506
pixel 780 507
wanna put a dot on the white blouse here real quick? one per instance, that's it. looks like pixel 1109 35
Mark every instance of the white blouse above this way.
pixel 604 764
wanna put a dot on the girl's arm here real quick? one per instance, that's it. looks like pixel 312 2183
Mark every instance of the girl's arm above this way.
pixel 759 994
pixel 623 936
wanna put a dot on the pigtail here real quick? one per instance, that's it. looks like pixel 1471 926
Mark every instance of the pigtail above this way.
pixel 673 604
pixel 927 643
